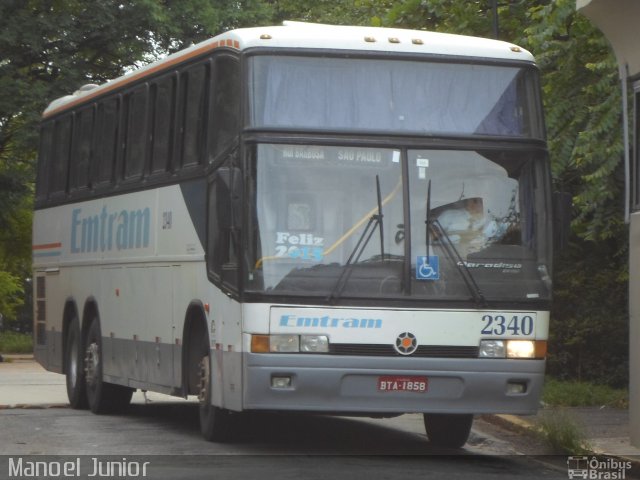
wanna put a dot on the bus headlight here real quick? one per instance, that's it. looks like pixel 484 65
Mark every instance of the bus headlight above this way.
pixel 513 349
pixel 314 343
pixel 492 349
pixel 284 343
pixel 521 349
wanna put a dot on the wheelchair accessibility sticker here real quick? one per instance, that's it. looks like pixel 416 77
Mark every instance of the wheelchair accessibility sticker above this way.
pixel 428 268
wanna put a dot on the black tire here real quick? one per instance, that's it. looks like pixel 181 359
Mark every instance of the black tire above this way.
pixel 216 424
pixel 74 367
pixel 102 397
pixel 448 430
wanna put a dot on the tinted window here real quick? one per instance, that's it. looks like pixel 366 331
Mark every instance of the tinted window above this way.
pixel 163 92
pixel 222 234
pixel 81 149
pixel 46 143
pixel 107 139
pixel 394 96
pixel 61 148
pixel 136 133
pixel 194 95
pixel 226 104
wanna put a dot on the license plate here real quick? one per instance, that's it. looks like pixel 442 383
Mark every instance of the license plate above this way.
pixel 398 383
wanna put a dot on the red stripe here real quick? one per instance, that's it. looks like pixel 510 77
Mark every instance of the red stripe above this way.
pixel 46 246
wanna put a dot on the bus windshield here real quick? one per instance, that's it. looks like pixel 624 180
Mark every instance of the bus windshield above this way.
pixel 382 95
pixel 337 221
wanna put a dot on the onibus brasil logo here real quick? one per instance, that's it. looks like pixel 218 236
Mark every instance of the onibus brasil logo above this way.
pixel 597 468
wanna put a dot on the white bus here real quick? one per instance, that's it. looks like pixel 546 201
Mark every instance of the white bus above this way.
pixel 310 218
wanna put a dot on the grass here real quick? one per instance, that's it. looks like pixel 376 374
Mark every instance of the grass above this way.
pixel 562 433
pixel 558 393
pixel 557 428
pixel 13 342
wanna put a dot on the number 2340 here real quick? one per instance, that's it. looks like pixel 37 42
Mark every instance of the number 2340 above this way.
pixel 507 324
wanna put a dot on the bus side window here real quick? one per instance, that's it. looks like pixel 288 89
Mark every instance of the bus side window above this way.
pixel 61 150
pixel 193 84
pixel 106 140
pixel 81 149
pixel 225 108
pixel 163 98
pixel 136 142
pixel 224 220
pixel 46 147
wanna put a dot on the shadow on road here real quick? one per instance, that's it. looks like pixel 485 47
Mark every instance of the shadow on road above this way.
pixel 303 434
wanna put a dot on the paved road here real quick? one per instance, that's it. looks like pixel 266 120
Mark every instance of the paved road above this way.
pixel 164 431
pixel 291 446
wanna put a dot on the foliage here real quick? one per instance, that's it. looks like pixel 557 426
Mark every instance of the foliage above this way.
pixel 558 393
pixel 48 48
pixel 10 295
pixel 583 107
pixel 12 342
pixel 583 100
pixel 562 433
pixel 334 12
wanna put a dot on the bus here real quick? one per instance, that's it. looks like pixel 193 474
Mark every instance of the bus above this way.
pixel 618 22
pixel 301 218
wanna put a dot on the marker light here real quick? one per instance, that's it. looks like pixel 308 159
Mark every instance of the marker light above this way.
pixel 259 343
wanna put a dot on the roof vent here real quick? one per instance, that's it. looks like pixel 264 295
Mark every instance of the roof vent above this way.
pixel 85 88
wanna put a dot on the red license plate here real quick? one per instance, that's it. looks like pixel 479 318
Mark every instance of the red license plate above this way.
pixel 398 383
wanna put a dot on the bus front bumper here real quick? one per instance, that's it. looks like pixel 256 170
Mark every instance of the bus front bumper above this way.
pixel 346 384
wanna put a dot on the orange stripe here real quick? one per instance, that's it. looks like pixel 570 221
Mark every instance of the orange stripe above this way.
pixel 46 246
pixel 115 84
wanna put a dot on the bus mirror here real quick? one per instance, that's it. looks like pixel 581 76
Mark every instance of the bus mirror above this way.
pixel 562 204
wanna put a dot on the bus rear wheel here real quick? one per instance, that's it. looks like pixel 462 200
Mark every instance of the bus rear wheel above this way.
pixel 448 430
pixel 103 397
pixel 74 367
pixel 215 422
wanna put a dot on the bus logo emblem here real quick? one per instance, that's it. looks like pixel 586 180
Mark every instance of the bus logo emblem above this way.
pixel 406 343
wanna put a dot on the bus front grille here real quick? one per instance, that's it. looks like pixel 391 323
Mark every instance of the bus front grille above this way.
pixel 430 351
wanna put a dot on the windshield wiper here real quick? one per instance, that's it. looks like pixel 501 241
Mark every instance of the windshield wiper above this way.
pixel 374 221
pixel 452 252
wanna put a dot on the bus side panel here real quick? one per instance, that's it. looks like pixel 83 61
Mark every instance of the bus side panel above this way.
pixel 226 347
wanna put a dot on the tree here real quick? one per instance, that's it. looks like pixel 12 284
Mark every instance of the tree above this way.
pixel 49 48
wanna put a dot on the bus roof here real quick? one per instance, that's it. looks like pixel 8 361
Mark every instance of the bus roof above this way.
pixel 314 36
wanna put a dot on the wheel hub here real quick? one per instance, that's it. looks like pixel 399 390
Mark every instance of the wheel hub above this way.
pixel 203 390
pixel 91 360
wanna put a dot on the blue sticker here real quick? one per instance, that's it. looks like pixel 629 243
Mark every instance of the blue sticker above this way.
pixel 428 268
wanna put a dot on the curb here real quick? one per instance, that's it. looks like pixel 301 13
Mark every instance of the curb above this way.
pixel 520 425
pixel 26 406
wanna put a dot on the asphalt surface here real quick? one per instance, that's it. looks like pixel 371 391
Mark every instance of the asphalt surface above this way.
pixel 36 423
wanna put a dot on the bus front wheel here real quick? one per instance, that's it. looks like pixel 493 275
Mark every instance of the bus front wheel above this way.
pixel 215 422
pixel 103 397
pixel 448 430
